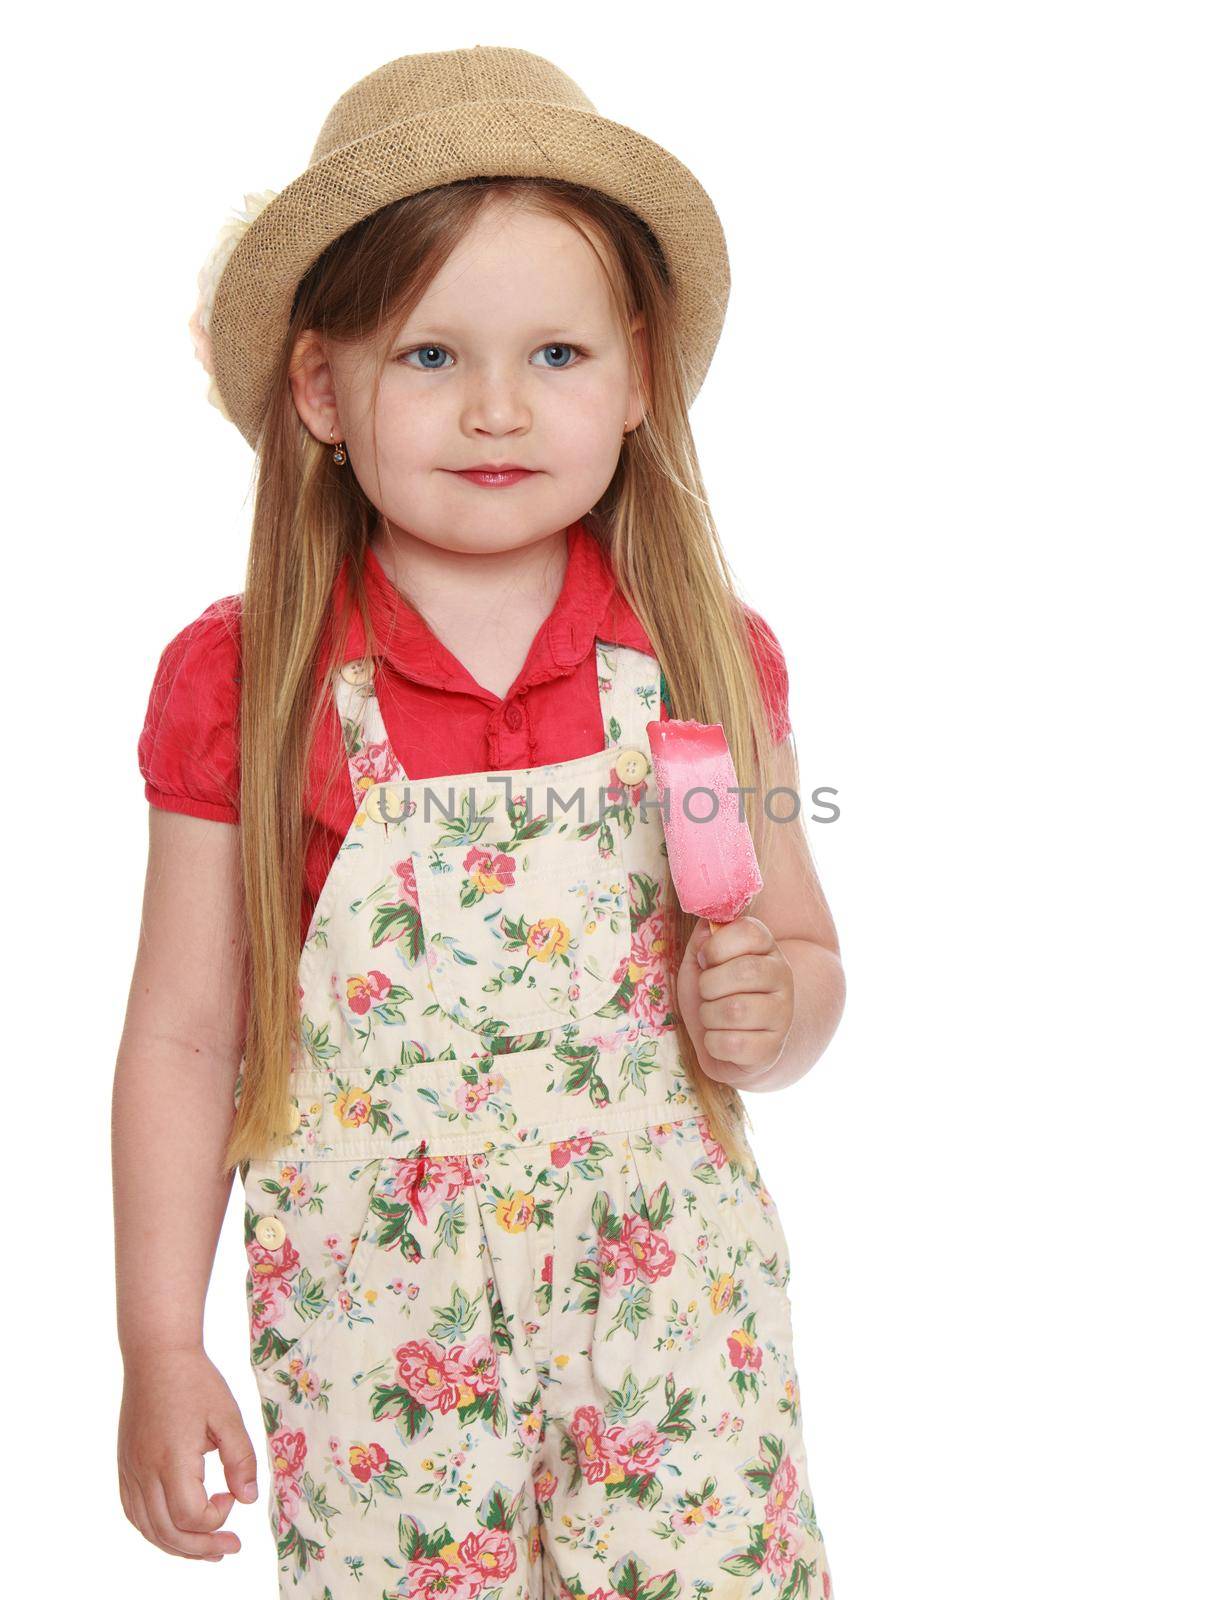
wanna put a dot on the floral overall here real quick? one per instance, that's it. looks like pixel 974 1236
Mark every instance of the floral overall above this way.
pixel 519 1327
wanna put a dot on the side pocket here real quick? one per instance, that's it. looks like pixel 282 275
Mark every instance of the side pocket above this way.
pixel 309 1230
pixel 760 1210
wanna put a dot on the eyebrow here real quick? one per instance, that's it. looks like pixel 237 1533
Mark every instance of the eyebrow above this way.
pixel 441 331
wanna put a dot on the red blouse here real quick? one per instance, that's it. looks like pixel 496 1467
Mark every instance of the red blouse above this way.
pixel 440 721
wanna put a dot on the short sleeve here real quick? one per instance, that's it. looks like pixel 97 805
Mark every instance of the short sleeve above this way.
pixel 771 674
pixel 188 750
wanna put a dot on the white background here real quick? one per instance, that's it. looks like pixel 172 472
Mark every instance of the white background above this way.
pixel 955 436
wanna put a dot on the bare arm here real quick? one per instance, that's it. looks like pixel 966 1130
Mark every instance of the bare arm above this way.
pixel 172 1110
pixel 174 1081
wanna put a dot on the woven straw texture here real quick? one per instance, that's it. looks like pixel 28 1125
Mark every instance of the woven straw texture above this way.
pixel 434 118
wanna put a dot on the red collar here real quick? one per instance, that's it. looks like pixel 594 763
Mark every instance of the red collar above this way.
pixel 589 607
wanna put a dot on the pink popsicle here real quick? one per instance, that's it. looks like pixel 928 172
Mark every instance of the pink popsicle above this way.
pixel 711 854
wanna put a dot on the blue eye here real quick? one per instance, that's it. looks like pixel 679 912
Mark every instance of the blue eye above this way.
pixel 425 350
pixel 570 347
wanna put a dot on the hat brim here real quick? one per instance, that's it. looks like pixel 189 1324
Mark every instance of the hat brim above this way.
pixel 517 138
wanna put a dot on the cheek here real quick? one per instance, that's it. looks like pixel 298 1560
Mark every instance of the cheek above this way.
pixel 398 451
pixel 414 428
pixel 581 412
pixel 579 441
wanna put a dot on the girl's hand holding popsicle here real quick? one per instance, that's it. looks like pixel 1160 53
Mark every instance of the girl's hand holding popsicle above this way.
pixel 735 988
pixel 736 991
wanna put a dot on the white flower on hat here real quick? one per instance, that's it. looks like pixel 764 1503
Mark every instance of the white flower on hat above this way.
pixel 208 282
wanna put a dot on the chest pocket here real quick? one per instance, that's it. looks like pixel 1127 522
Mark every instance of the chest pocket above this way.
pixel 525 936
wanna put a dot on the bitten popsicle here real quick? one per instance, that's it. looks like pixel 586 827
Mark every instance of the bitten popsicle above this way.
pixel 711 854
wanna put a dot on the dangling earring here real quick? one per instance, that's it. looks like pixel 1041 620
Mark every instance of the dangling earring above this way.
pixel 338 455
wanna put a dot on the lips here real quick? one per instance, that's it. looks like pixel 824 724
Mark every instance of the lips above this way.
pixel 494 477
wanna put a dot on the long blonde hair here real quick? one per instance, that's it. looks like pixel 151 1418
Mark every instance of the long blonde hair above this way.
pixel 653 524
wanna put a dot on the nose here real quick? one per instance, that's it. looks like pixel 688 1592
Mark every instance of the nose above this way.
pixel 498 404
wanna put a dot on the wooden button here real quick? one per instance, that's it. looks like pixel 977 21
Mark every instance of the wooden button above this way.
pixel 294 1117
pixel 632 765
pixel 385 802
pixel 270 1232
pixel 357 673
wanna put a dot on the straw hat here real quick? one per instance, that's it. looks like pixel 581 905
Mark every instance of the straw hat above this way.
pixel 430 119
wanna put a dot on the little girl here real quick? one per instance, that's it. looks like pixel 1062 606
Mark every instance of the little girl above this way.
pixel 517 1295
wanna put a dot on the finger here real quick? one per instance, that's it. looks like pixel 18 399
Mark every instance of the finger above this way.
pixel 221 1503
pixel 748 973
pixel 742 1013
pixel 236 1452
pixel 142 1517
pixel 749 1051
pixel 736 1077
pixel 196 1546
pixel 132 1502
pixel 191 1510
pixel 722 1073
pixel 746 934
pixel 222 1500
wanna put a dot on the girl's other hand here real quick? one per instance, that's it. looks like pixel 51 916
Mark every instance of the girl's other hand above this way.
pixel 176 1407
pixel 738 1001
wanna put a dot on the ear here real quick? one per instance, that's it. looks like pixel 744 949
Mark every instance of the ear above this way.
pixel 637 399
pixel 313 388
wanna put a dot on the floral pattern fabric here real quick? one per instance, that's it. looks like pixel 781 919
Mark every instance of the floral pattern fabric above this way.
pixel 518 1325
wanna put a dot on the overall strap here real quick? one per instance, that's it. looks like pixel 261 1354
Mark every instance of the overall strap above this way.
pixel 629 685
pixel 367 747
